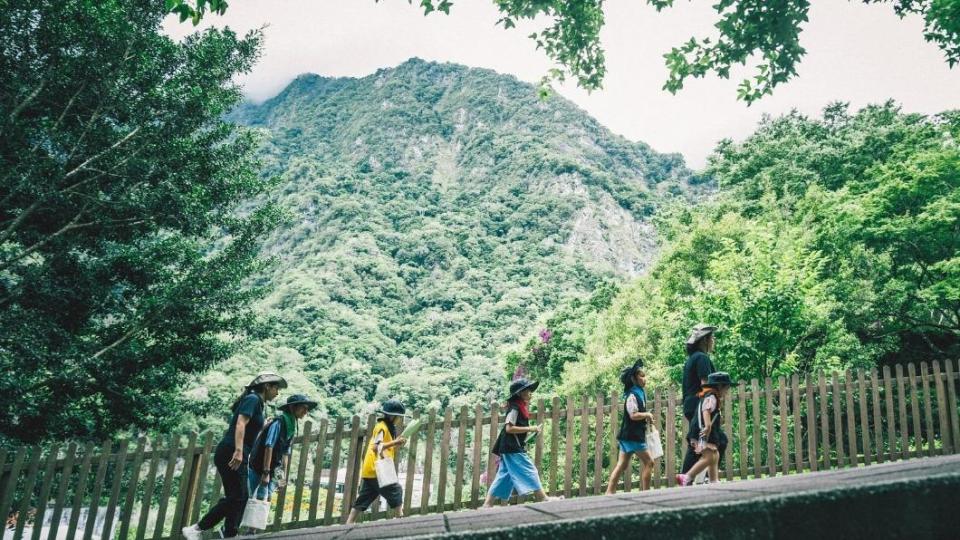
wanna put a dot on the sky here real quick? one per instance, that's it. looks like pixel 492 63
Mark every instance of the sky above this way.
pixel 856 53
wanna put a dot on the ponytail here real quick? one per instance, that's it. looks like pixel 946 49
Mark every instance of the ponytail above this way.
pixel 247 390
pixel 243 393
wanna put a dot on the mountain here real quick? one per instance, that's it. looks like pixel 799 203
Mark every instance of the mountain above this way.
pixel 439 212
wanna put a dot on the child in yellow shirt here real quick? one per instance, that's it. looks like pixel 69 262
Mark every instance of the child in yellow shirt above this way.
pixel 383 443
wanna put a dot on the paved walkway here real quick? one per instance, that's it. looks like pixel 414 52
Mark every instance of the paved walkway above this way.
pixel 635 503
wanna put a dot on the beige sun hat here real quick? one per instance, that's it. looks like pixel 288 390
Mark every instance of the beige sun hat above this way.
pixel 699 332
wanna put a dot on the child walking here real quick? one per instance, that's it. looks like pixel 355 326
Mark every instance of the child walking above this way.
pixel 706 436
pixel 633 428
pixel 270 456
pixel 383 443
pixel 517 471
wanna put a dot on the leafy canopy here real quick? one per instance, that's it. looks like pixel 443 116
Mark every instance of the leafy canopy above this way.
pixel 834 244
pixel 124 253
pixel 764 33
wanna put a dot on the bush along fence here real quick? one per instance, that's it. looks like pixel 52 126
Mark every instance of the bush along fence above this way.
pixel 148 489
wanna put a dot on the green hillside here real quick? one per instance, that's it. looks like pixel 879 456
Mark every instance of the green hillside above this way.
pixel 438 212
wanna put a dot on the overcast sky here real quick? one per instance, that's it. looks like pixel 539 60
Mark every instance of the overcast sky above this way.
pixel 855 52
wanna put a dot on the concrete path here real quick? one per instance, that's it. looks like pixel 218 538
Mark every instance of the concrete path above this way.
pixel 498 521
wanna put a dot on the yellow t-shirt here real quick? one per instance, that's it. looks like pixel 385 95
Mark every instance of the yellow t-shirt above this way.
pixel 381 434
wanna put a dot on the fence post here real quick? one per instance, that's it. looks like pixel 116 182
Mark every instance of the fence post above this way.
pixel 598 437
pixel 952 400
pixel 61 500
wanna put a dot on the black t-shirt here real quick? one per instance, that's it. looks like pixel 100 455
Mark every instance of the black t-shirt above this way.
pixel 250 406
pixel 698 367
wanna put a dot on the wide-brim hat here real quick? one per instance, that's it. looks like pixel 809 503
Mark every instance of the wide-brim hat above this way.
pixel 719 378
pixel 393 407
pixel 266 377
pixel 699 332
pixel 298 399
pixel 522 384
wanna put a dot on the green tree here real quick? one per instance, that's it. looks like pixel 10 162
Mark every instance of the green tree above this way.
pixel 763 31
pixel 125 257
pixel 834 244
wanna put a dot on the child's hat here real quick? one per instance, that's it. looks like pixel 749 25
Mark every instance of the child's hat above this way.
pixel 299 399
pixel 719 378
pixel 393 407
pixel 522 384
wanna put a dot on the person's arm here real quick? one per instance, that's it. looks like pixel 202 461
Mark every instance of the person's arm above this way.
pixel 286 471
pixel 707 420
pixel 399 441
pixel 634 409
pixel 238 432
pixel 512 429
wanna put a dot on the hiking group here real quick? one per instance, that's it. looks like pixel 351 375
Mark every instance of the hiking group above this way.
pixel 254 453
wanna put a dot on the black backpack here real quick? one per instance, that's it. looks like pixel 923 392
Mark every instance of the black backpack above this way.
pixel 257 452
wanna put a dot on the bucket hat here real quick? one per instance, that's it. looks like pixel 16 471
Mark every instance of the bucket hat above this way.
pixel 298 399
pixel 265 377
pixel 719 378
pixel 393 407
pixel 699 332
pixel 522 384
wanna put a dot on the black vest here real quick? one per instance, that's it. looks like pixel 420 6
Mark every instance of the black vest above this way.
pixel 512 443
pixel 633 430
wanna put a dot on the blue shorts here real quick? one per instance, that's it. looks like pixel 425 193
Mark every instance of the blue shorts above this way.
pixel 258 490
pixel 516 473
pixel 632 447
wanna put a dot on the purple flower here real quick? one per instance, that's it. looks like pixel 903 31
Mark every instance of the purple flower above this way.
pixel 545 335
pixel 519 373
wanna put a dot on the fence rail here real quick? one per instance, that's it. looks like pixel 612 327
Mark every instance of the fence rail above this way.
pixel 149 488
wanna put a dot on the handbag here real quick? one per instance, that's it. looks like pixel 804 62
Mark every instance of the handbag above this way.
pixel 386 472
pixel 654 447
pixel 255 514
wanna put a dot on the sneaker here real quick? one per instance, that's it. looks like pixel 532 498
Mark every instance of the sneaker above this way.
pixel 192 532
pixel 683 480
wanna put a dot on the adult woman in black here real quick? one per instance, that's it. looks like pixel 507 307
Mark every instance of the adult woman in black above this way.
pixel 232 452
pixel 697 368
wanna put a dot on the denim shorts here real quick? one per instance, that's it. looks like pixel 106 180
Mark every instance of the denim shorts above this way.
pixel 258 490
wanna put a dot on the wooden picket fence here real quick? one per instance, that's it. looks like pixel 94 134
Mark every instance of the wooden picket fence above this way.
pixel 148 489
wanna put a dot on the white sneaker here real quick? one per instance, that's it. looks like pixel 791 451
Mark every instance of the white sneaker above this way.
pixel 192 532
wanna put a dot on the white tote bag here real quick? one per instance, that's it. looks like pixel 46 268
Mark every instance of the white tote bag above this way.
pixel 386 472
pixel 654 447
pixel 255 514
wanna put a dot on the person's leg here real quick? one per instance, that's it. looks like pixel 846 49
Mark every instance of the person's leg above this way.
pixel 369 491
pixel 646 469
pixel 232 485
pixel 501 487
pixel 622 463
pixel 701 464
pixel 689 459
pixel 394 496
pixel 714 457
pixel 238 502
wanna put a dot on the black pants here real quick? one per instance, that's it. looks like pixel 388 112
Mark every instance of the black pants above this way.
pixel 229 508
pixel 690 458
